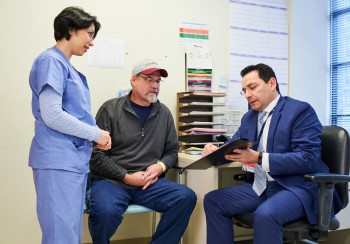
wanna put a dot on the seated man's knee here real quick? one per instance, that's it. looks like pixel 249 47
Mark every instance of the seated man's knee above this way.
pixel 106 213
pixel 188 196
pixel 209 199
pixel 264 214
pixel 191 195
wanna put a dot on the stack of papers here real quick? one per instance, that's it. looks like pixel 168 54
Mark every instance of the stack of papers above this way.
pixel 194 151
pixel 202 104
pixel 201 143
pixel 206 113
pixel 200 123
pixel 199 131
pixel 211 94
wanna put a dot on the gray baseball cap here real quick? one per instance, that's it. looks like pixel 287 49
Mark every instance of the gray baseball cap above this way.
pixel 148 66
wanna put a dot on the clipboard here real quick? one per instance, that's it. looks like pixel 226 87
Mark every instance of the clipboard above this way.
pixel 217 157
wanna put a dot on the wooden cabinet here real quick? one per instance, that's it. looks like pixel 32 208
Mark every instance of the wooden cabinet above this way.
pixel 196 113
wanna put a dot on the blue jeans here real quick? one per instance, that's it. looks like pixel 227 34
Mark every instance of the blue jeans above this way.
pixel 107 203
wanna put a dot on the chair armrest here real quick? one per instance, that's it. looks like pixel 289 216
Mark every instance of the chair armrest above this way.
pixel 326 182
pixel 327 178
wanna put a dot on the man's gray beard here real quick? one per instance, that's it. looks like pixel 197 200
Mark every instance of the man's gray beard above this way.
pixel 152 99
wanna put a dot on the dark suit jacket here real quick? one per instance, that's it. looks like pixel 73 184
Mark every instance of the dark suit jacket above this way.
pixel 294 147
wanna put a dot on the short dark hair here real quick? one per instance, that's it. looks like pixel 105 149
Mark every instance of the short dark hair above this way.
pixel 73 18
pixel 265 73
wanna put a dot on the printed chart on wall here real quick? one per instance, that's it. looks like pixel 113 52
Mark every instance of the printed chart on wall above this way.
pixel 258 34
pixel 198 72
pixel 193 34
pixel 194 39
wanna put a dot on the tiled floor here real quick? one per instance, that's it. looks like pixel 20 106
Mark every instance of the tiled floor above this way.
pixel 251 242
pixel 244 242
pixel 147 240
pixel 133 241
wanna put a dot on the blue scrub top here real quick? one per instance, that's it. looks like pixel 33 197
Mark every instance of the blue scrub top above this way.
pixel 51 149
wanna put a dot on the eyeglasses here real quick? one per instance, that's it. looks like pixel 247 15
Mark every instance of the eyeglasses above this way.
pixel 151 80
pixel 251 88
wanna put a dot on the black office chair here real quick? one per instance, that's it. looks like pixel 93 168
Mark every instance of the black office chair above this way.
pixel 335 152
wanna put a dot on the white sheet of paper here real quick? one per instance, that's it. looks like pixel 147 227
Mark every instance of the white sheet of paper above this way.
pixel 107 53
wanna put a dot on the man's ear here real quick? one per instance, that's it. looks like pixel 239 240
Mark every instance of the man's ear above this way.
pixel 132 80
pixel 273 83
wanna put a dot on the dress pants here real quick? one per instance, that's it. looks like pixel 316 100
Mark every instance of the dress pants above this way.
pixel 60 205
pixel 275 207
pixel 108 202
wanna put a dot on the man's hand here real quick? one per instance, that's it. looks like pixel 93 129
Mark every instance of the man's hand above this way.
pixel 151 175
pixel 246 156
pixel 135 179
pixel 209 148
pixel 144 178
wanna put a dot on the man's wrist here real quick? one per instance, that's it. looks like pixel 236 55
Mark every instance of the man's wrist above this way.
pixel 260 158
pixel 162 164
pixel 126 178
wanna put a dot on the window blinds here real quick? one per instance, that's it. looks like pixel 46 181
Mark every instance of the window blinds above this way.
pixel 339 50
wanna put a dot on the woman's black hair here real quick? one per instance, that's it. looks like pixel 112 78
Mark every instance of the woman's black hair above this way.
pixel 73 18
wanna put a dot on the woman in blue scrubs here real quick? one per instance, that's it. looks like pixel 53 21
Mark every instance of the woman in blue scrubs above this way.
pixel 64 128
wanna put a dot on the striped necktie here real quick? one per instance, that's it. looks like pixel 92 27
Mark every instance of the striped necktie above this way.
pixel 260 178
pixel 261 117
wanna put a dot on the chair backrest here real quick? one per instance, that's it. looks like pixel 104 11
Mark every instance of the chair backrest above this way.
pixel 335 152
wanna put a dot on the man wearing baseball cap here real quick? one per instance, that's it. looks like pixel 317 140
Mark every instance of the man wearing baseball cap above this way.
pixel 144 147
pixel 147 67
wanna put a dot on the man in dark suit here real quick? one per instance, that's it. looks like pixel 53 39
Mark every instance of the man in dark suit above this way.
pixel 287 147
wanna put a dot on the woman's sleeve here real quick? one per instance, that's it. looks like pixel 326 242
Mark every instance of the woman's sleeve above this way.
pixel 54 117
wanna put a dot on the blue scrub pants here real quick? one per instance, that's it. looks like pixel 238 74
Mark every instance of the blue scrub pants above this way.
pixel 60 205
pixel 275 207
pixel 108 202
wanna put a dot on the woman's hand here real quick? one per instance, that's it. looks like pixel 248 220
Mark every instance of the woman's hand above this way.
pixel 105 141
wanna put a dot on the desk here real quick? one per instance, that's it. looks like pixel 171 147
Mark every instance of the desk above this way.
pixel 203 181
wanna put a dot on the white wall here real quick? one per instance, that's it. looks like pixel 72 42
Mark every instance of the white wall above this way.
pixel 148 31
pixel 308 38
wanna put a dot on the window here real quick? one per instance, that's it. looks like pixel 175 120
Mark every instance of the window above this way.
pixel 339 46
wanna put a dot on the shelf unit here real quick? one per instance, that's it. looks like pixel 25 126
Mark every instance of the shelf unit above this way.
pixel 196 110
